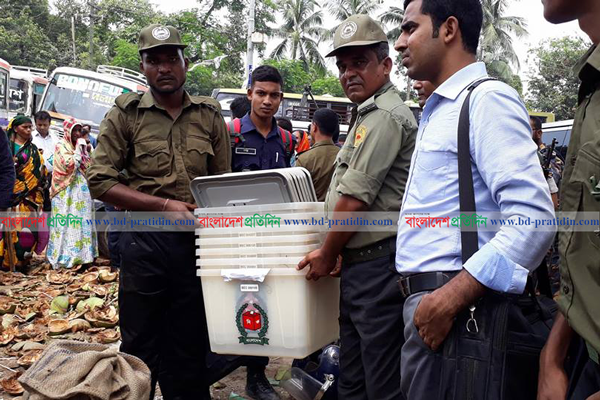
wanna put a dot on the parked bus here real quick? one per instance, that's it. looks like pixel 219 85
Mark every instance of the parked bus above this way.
pixel 27 86
pixel 87 95
pixel 4 74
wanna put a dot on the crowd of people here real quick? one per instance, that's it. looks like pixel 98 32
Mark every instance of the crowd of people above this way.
pixel 424 314
pixel 49 177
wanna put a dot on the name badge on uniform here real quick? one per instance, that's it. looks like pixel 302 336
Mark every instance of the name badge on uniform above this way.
pixel 248 151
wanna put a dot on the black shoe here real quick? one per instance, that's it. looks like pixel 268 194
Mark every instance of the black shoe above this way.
pixel 258 386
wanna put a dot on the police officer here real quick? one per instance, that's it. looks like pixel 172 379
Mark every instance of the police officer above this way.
pixel 258 143
pixel 579 249
pixel 370 175
pixel 320 158
pixel 163 139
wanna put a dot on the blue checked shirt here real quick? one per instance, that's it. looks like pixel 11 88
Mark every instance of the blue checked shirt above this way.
pixel 507 178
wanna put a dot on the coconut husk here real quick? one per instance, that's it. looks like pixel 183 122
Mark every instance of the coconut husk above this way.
pixel 8 305
pixel 59 277
pixel 58 327
pixel 30 357
pixel 89 277
pixel 107 276
pixel 78 325
pixel 11 385
pixel 105 317
pixel 108 336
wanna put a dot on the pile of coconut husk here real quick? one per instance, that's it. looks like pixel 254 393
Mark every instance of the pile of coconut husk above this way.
pixel 44 305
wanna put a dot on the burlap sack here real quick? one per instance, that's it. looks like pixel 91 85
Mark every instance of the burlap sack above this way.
pixel 84 371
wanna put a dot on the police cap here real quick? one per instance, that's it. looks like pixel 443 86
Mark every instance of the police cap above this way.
pixel 156 35
pixel 357 30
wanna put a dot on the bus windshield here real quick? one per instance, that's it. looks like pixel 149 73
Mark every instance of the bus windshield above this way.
pixel 18 95
pixel 83 98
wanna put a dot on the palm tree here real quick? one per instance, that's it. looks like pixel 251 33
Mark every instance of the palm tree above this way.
pixel 342 9
pixel 300 32
pixel 496 43
pixel 392 17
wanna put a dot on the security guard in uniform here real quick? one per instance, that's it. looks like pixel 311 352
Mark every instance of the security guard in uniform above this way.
pixel 163 139
pixel 320 158
pixel 370 174
pixel 579 249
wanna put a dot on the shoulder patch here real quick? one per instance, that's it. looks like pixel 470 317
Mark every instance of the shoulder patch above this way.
pixel 359 135
pixel 368 109
pixel 125 100
pixel 207 101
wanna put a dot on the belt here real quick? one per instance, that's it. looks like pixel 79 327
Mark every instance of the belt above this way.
pixel 370 252
pixel 424 282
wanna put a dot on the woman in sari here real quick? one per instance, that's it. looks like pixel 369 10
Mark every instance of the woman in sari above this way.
pixel 72 240
pixel 27 198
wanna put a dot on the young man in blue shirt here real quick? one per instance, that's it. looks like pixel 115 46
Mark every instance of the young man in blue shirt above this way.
pixel 257 141
pixel 439 44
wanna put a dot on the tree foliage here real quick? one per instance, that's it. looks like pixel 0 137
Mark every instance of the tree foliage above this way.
pixel 300 33
pixel 553 86
pixel 328 85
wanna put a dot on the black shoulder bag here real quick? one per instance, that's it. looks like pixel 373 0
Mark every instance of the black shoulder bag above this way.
pixel 492 354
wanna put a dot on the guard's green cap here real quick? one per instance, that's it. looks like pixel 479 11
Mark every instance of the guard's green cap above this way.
pixel 357 30
pixel 156 35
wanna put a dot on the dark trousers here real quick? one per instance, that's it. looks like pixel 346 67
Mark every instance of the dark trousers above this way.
pixel 161 311
pixel 113 241
pixel 371 331
pixel 584 379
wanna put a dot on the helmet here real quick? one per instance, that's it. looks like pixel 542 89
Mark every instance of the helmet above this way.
pixel 323 366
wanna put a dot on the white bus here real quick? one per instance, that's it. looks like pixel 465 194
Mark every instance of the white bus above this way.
pixel 27 86
pixel 87 95
pixel 4 74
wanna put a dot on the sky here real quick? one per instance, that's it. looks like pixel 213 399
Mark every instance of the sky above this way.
pixel 531 10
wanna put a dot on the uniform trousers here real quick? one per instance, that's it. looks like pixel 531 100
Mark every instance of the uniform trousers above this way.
pixel 371 330
pixel 161 311
pixel 584 379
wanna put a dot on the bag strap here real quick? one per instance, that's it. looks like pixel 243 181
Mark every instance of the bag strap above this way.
pixel 288 143
pixel 234 127
pixel 469 238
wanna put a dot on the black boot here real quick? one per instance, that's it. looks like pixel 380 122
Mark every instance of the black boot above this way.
pixel 258 386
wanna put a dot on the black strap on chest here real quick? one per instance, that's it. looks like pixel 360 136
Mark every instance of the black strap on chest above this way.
pixel 469 238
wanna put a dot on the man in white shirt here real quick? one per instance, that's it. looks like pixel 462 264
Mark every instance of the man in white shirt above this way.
pixel 42 138
pixel 439 44
pixel 46 143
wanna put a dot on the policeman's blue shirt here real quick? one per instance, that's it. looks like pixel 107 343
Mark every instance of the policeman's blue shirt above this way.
pixel 258 152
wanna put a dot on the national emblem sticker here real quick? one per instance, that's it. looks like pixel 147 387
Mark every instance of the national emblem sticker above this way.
pixel 348 30
pixel 253 324
pixel 161 33
pixel 359 135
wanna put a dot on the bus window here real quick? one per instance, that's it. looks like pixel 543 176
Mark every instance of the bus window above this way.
pixel 3 90
pixel 38 92
pixel 18 95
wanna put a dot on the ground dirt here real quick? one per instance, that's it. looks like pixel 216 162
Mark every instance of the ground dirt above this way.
pixel 33 291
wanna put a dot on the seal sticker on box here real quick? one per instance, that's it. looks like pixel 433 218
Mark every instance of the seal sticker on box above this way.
pixel 252 321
